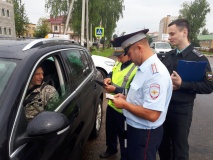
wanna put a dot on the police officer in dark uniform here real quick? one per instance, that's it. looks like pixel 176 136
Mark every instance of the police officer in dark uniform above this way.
pixel 175 145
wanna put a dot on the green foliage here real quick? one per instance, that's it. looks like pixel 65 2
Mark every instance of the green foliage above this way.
pixel 21 19
pixel 207 53
pixel 195 12
pixel 205 31
pixel 114 36
pixel 149 38
pixel 57 7
pixel 108 12
pixel 106 52
pixel 42 28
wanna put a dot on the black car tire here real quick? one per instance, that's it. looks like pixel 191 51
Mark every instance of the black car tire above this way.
pixel 98 120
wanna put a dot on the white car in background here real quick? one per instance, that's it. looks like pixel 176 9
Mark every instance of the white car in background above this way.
pixel 160 48
pixel 103 64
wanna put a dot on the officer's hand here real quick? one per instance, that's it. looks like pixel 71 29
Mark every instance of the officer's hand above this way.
pixel 119 102
pixel 120 95
pixel 107 80
pixel 176 80
pixel 109 88
pixel 175 87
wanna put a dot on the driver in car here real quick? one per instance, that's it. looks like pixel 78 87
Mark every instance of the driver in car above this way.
pixel 40 95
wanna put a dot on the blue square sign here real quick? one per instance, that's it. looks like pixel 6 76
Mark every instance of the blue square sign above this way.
pixel 99 31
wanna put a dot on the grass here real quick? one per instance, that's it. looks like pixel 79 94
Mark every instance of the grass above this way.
pixel 109 51
pixel 207 53
pixel 106 52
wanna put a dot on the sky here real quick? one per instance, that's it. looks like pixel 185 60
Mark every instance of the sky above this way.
pixel 138 14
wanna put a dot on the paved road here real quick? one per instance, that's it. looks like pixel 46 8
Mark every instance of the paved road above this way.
pixel 200 139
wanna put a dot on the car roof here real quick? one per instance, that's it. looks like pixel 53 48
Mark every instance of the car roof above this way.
pixel 19 49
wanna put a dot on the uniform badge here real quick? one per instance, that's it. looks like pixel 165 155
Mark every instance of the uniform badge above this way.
pixel 209 76
pixel 154 91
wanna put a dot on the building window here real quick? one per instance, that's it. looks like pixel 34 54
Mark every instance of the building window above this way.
pixel 10 31
pixel 55 28
pixel 5 31
pixel 8 13
pixel 3 12
pixel 0 30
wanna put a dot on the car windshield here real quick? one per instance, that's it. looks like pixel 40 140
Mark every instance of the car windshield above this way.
pixel 6 69
pixel 163 46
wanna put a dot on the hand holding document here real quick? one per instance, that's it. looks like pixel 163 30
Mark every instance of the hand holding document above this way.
pixel 109 96
pixel 191 70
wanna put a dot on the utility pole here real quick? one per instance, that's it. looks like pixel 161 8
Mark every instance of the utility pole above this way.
pixel 82 22
pixel 91 33
pixel 87 24
pixel 68 16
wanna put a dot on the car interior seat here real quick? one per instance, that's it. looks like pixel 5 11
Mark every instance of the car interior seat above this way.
pixel 50 73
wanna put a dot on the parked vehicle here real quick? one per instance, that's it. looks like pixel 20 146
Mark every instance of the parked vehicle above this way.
pixel 61 132
pixel 160 48
pixel 103 64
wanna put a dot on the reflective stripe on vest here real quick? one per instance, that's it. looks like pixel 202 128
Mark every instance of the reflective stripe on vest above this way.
pixel 122 78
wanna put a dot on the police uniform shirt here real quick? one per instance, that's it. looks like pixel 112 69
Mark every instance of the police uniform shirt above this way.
pixel 151 88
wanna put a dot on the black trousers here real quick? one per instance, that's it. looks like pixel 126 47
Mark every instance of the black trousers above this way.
pixel 143 144
pixel 115 129
pixel 174 144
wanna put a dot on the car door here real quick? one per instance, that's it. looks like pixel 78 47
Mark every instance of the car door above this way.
pixel 81 77
pixel 21 146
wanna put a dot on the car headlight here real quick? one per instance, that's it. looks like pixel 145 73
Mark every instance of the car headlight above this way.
pixel 109 63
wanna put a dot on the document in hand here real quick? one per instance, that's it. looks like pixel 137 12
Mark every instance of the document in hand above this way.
pixel 109 96
pixel 191 70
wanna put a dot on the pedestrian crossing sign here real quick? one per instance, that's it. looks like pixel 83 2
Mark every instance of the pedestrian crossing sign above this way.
pixel 99 31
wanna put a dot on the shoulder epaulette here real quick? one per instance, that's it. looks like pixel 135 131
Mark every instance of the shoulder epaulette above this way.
pixel 199 54
pixel 154 68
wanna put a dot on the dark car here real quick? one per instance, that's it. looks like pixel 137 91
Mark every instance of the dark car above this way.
pixel 60 132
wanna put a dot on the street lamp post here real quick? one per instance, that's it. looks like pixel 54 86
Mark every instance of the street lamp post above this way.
pixel 87 24
pixel 82 22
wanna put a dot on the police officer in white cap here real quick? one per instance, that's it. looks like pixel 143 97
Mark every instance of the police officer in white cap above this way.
pixel 118 81
pixel 146 103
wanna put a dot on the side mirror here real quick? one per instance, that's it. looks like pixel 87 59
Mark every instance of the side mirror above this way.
pixel 44 125
pixel 48 122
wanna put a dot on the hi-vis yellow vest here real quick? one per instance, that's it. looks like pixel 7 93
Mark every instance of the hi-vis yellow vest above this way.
pixel 122 78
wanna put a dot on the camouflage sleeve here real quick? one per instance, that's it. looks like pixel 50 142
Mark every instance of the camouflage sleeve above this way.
pixel 50 97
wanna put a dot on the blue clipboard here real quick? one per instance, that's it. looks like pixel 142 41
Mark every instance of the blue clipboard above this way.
pixel 191 70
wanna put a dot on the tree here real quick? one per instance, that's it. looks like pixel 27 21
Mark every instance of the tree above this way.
pixel 150 40
pixel 114 36
pixel 123 33
pixel 205 31
pixel 108 12
pixel 21 19
pixel 42 28
pixel 195 12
